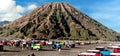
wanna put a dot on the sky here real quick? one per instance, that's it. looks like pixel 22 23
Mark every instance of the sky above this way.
pixel 107 12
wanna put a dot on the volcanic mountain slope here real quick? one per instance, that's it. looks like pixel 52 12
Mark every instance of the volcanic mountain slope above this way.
pixel 58 20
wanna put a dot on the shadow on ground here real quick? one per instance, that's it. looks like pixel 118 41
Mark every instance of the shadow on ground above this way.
pixel 10 51
pixel 48 50
pixel 66 49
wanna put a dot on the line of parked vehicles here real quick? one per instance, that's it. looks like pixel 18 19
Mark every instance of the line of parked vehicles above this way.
pixel 40 44
pixel 102 51
pixel 37 44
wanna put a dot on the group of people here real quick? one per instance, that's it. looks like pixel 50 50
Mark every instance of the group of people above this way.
pixel 27 44
pixel 18 43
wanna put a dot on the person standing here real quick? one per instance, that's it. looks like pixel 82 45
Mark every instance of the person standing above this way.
pixel 32 54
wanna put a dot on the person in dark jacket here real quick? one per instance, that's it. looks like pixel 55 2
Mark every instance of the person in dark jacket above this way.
pixel 33 54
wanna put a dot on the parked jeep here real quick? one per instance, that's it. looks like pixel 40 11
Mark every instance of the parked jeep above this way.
pixel 36 47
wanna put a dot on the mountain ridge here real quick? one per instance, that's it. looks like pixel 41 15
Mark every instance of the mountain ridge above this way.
pixel 2 23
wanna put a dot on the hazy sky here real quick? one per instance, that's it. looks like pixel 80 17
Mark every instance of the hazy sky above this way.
pixel 104 11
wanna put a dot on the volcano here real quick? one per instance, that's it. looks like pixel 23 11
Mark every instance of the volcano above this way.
pixel 58 20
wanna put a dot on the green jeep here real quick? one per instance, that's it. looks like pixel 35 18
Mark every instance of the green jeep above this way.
pixel 36 47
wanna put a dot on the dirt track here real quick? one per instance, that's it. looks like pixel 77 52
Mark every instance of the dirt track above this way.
pixel 47 51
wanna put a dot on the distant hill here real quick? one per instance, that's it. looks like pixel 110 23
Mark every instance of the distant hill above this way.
pixel 58 20
pixel 4 22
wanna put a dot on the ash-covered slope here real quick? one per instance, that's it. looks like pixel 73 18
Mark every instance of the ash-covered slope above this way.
pixel 58 20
